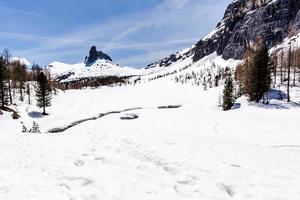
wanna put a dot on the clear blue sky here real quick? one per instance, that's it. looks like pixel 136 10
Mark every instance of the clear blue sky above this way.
pixel 132 32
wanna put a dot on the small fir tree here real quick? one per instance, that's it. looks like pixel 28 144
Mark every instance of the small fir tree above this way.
pixel 3 87
pixel 228 96
pixel 6 56
pixel 43 92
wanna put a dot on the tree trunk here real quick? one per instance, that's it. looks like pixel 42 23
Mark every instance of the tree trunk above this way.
pixel 281 66
pixel 28 93
pixel 9 89
pixel 44 105
pixel 275 70
pixel 21 94
pixel 289 72
pixel 2 96
pixel 294 83
pixel 295 68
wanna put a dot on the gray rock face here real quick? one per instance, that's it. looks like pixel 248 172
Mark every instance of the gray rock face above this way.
pixel 95 55
pixel 171 59
pixel 247 20
pixel 244 22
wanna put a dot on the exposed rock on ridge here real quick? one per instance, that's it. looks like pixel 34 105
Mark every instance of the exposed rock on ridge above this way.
pixel 95 55
pixel 246 20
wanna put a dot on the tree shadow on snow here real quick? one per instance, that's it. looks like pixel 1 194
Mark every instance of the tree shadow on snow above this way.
pixel 274 94
pixel 275 99
pixel 236 106
pixel 35 114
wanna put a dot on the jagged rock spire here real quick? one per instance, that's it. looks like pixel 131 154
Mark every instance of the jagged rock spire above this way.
pixel 95 55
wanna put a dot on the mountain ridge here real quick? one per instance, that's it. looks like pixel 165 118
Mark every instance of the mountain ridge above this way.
pixel 242 23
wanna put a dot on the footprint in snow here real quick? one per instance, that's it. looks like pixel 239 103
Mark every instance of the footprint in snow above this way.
pixel 227 189
pixel 82 181
pixel 141 167
pixel 101 159
pixel 78 163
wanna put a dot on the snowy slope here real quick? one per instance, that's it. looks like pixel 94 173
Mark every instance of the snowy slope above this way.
pixel 202 71
pixel 196 151
pixel 100 68
pixel 22 60
pixel 59 68
pixel 285 45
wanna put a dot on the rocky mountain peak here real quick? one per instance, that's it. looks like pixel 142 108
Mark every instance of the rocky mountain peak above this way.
pixel 246 20
pixel 95 55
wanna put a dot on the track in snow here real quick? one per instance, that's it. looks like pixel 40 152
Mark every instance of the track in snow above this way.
pixel 62 129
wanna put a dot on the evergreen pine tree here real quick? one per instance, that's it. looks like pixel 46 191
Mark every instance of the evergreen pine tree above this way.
pixel 43 92
pixel 3 87
pixel 262 62
pixel 257 78
pixel 228 96
pixel 6 56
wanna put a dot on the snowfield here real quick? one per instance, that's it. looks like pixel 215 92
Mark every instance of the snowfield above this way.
pixel 195 151
pixel 158 139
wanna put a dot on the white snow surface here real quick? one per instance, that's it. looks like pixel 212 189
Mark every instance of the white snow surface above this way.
pixel 196 151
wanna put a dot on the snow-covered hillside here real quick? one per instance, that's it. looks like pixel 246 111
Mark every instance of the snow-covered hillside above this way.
pixel 193 150
pixel 80 71
pixel 22 60
pixel 293 41
pixel 102 67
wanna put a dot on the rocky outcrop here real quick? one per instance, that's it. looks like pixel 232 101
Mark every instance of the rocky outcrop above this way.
pixel 95 55
pixel 246 20
pixel 172 58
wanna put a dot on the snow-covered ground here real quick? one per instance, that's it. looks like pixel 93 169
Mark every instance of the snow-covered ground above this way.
pixel 196 151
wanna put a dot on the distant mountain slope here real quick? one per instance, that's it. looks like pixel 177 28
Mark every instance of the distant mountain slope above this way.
pixel 244 21
pixel 178 56
pixel 22 61
pixel 100 68
pixel 96 65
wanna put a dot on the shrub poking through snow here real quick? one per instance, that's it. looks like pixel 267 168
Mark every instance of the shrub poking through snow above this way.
pixel 24 129
pixel 35 128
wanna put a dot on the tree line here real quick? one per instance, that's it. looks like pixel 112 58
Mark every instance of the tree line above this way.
pixel 260 71
pixel 18 81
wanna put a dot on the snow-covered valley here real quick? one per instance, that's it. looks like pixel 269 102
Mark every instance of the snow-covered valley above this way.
pixel 196 151
pixel 216 121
